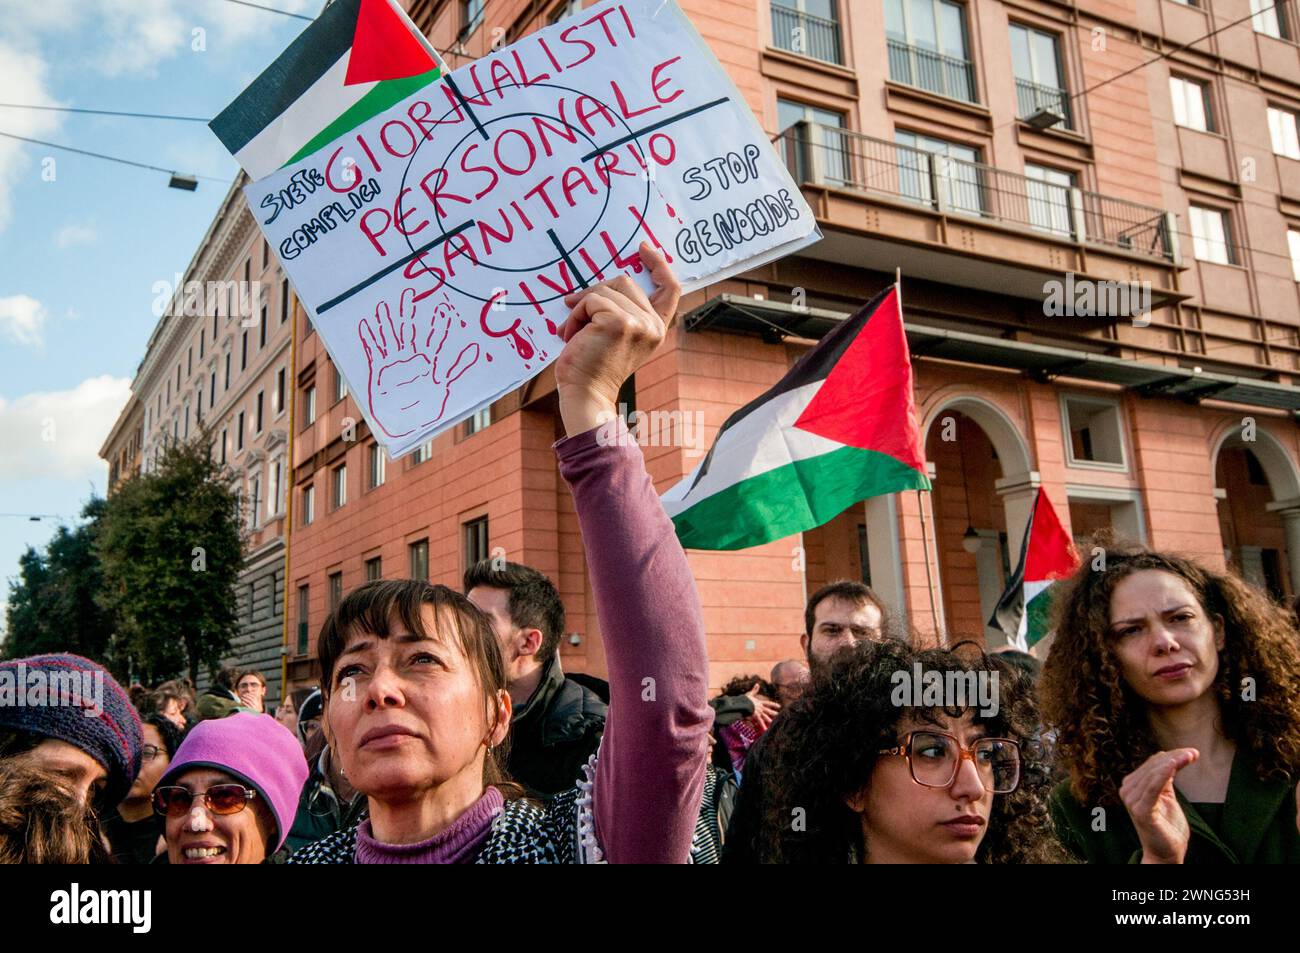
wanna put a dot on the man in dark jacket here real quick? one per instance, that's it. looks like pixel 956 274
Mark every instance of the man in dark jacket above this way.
pixel 557 722
pixel 837 616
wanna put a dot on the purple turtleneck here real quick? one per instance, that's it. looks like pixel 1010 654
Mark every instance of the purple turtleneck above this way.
pixel 653 756
pixel 458 844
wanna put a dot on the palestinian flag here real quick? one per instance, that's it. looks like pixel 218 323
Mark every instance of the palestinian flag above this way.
pixel 358 58
pixel 1047 554
pixel 838 428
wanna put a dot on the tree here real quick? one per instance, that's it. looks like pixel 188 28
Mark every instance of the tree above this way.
pixel 54 605
pixel 172 545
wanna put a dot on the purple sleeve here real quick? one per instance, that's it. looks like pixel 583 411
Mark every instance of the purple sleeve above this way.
pixel 650 774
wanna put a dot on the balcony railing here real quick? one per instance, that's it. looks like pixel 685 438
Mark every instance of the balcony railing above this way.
pixel 935 72
pixel 806 34
pixel 1031 97
pixel 826 155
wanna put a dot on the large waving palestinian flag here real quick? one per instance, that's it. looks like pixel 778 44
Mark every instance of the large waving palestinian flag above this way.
pixel 838 428
pixel 1047 554
pixel 355 60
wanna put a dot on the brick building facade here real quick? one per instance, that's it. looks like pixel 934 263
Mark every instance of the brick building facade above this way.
pixel 1003 154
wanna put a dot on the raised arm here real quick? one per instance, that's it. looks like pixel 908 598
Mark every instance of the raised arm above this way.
pixel 654 753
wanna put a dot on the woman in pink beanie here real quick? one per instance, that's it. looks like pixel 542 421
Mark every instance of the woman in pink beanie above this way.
pixel 230 794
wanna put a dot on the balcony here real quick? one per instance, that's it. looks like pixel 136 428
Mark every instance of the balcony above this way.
pixel 825 155
pixel 1031 97
pixel 931 71
pixel 807 35
pixel 882 205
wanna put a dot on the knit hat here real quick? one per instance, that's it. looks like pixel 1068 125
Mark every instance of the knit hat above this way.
pixel 72 699
pixel 312 707
pixel 255 749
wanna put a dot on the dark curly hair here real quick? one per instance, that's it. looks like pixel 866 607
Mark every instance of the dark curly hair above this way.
pixel 1101 727
pixel 825 748
pixel 743 684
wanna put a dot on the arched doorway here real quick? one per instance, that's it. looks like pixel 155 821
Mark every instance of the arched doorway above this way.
pixel 983 493
pixel 1258 491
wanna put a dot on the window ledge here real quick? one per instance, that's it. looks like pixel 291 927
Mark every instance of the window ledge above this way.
pixel 837 70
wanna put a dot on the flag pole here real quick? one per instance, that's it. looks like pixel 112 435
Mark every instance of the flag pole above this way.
pixel 920 502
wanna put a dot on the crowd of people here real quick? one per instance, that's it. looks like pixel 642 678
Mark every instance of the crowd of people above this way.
pixel 1163 725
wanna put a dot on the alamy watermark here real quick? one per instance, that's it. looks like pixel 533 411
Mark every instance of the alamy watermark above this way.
pixel 657 428
pixel 63 688
pixel 200 299
pixel 1086 298
pixel 951 688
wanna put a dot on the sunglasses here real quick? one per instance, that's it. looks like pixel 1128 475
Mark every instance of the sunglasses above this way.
pixel 225 799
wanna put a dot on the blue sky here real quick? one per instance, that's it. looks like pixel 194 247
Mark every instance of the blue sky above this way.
pixel 79 255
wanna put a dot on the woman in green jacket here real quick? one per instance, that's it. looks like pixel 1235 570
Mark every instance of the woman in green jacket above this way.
pixel 1174 693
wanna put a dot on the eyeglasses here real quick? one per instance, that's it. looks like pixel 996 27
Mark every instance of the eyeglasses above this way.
pixel 935 756
pixel 149 752
pixel 176 801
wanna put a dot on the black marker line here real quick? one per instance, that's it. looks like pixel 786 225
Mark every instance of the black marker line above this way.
pixel 393 267
pixel 465 105
pixel 559 246
pixel 653 126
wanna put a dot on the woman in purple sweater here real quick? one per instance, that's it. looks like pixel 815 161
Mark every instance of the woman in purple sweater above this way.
pixel 416 706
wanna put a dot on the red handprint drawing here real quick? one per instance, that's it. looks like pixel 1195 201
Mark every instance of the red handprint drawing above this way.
pixel 407 390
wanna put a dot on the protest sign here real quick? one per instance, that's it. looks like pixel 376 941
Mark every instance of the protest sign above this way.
pixel 433 243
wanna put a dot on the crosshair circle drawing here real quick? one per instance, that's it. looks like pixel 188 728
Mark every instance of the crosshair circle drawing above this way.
pixel 643 157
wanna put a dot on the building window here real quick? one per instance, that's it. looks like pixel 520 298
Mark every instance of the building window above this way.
pixel 279 391
pixel 340 386
pixel 471 15
pixel 821 151
pixel 421 453
pixel 243 352
pixel 203 336
pixel 481 419
pixel 336 590
pixel 476 541
pixel 261 331
pixel 255 502
pixel 419 552
pixel 284 300
pixel 1269 18
pixel 925 162
pixel 212 391
pixel 273 500
pixel 374 569
pixel 260 401
pixel 303 603
pixel 1282 130
pixel 239 432
pixel 225 439
pixel 808 27
pixel 1191 99
pixel 378 458
pixel 227 384
pixel 340 493
pixel 309 404
pixel 1211 235
pixel 927 47
pixel 1293 243
pixel 266 253
pixel 1049 198
pixel 1040 76
pixel 187 420
pixel 308 504
pixel 566 8
pixel 1094 433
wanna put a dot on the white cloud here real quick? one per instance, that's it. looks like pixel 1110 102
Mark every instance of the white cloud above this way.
pixel 57 434
pixel 23 79
pixel 22 320
pixel 74 234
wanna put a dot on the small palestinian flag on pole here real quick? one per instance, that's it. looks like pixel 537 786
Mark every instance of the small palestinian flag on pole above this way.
pixel 357 58
pixel 1047 554
pixel 838 428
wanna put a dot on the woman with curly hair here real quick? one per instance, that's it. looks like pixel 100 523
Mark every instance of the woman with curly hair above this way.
pixel 1173 692
pixel 860 774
